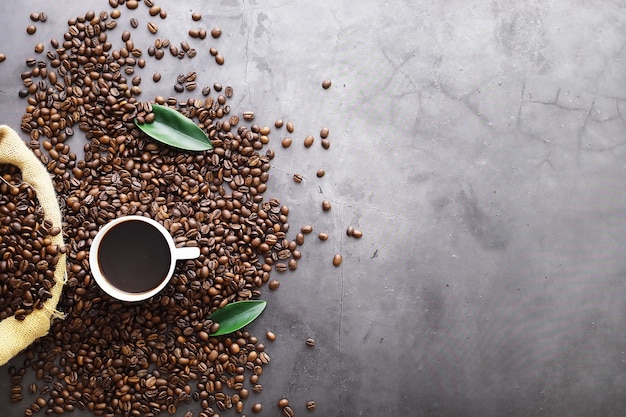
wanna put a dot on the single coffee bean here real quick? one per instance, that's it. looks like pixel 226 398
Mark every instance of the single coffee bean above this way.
pixel 357 234
pixel 219 59
pixel 34 17
pixel 134 23
pixel 163 14
pixel 31 29
pixel 324 133
pixel 196 16
pixel 326 206
pixel 202 33
pixel 271 337
pixel 323 236
pixel 132 4
pixel 3 57
pixel 248 116
pixel 288 412
pixel 154 10
pixel 337 259
pixel 320 173
pixel 283 402
pixel 306 229
pixel 213 51
pixel 310 342
pixel 217 87
pixel 43 16
pixel 326 84
pixel 286 142
pixel 308 141
pixel 310 405
pixel 290 127
pixel 325 143
pixel 274 284
pixel 256 408
pixel 39 48
pixel 216 32
pixel 125 36
pixel 152 27
pixel 156 77
pixel 194 33
pixel 350 230
pixel 278 124
pixel 297 178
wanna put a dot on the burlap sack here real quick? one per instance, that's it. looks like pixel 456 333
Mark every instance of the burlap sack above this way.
pixel 16 335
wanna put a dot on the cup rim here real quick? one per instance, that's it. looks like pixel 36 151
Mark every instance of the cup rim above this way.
pixel 104 284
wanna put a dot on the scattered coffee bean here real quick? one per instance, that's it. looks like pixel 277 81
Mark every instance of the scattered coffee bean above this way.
pixel 31 29
pixel 308 141
pixel 283 402
pixel 132 4
pixel 219 59
pixel 34 17
pixel 306 229
pixel 274 284
pixel 320 173
pixel 3 57
pixel 216 32
pixel 326 206
pixel 286 142
pixel 310 405
pixel 256 408
pixel 357 234
pixel 310 342
pixel 152 27
pixel 39 48
pixel 290 127
pixel 288 412
pixel 297 178
pixel 154 10
pixel 337 259
pixel 278 124
pixel 350 230
pixel 270 336
pixel 196 16
pixel 324 133
pixel 156 77
pixel 326 84
pixel 323 236
pixel 325 143
pixel 134 23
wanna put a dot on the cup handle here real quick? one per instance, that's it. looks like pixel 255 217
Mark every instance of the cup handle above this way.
pixel 190 252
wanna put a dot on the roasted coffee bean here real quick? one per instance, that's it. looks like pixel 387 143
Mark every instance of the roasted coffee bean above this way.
pixel 286 142
pixel 323 236
pixel 320 173
pixel 216 32
pixel 152 27
pixel 270 336
pixel 337 259
pixel 278 124
pixel 196 16
pixel 290 127
pixel 350 230
pixel 194 33
pixel 39 48
pixel 134 23
pixel 31 29
pixel 326 84
pixel 156 77
pixel 283 402
pixel 325 143
pixel 324 133
pixel 326 206
pixel 274 284
pixel 357 234
pixel 308 141
pixel 310 342
pixel 248 116
pixel 256 408
pixel 3 57
pixel 34 17
pixel 219 59
pixel 310 405
pixel 288 412
pixel 297 178
pixel 132 4
pixel 154 10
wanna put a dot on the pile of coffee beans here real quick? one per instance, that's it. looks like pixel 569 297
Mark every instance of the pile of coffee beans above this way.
pixel 27 254
pixel 115 358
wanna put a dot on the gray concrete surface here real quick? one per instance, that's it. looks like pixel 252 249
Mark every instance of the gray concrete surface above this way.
pixel 480 146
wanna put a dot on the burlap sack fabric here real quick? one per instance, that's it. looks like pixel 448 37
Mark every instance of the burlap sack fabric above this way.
pixel 16 335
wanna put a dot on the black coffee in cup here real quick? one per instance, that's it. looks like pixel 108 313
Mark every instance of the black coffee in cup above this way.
pixel 134 256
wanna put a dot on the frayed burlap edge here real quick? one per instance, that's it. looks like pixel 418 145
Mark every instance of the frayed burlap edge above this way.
pixel 16 335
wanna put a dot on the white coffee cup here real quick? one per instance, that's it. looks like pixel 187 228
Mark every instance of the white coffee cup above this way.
pixel 132 258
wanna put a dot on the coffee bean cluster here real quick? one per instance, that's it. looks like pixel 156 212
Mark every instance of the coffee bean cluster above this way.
pixel 27 255
pixel 116 358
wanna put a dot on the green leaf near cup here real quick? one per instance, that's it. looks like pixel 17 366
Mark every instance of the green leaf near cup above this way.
pixel 234 316
pixel 172 128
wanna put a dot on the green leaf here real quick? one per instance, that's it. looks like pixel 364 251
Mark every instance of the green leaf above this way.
pixel 234 316
pixel 174 129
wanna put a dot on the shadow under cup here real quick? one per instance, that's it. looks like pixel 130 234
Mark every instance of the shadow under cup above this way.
pixel 133 257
